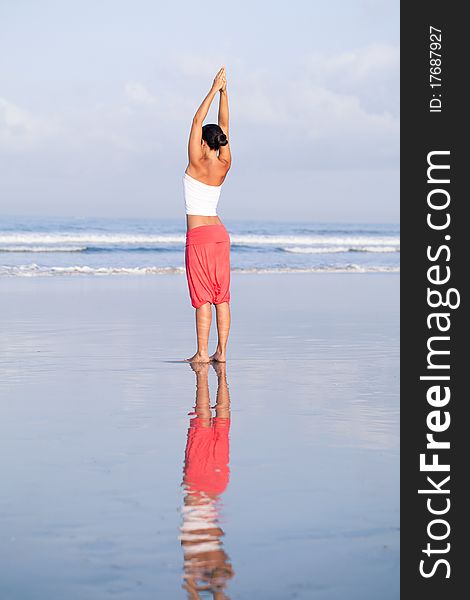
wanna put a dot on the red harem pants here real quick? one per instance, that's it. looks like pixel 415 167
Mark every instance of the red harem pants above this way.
pixel 207 260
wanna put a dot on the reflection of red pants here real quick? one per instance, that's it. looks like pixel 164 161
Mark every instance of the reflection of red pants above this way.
pixel 206 467
pixel 207 261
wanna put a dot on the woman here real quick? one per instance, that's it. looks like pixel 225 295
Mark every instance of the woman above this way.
pixel 207 255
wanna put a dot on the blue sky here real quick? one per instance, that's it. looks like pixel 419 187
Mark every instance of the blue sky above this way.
pixel 96 99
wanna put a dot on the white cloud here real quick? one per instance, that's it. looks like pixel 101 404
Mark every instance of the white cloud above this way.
pixel 21 130
pixel 336 109
pixel 370 73
pixel 326 113
pixel 339 110
pixel 355 65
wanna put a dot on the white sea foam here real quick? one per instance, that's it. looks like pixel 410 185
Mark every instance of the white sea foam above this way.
pixel 52 248
pixel 312 240
pixel 88 238
pixel 103 239
pixel 34 270
pixel 336 249
pixel 351 268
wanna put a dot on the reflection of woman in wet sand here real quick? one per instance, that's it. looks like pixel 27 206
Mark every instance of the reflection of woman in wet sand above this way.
pixel 206 473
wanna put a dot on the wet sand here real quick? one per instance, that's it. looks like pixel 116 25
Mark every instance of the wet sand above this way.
pixel 94 440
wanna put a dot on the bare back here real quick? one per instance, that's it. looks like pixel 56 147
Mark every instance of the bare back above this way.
pixel 209 171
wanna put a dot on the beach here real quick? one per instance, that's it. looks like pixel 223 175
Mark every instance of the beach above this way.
pixel 94 422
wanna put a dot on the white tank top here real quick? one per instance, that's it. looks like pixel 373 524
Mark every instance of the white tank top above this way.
pixel 200 198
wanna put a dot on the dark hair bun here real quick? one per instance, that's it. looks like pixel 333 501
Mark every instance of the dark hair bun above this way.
pixel 222 139
pixel 214 136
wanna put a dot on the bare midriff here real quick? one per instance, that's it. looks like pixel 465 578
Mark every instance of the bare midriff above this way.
pixel 198 220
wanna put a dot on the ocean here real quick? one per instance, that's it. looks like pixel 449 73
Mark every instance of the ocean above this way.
pixel 45 246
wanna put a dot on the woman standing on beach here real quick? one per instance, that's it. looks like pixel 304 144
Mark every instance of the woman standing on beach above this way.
pixel 207 255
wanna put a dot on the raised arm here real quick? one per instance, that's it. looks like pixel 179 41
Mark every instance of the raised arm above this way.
pixel 223 110
pixel 224 151
pixel 195 136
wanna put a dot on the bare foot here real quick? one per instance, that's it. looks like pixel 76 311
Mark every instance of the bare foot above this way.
pixel 218 356
pixel 200 358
